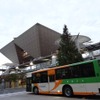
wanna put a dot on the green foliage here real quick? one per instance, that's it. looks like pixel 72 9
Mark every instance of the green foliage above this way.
pixel 68 52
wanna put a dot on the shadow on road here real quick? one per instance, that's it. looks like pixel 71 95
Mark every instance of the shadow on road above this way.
pixel 87 97
pixel 76 97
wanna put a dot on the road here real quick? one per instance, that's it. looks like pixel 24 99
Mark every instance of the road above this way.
pixel 28 96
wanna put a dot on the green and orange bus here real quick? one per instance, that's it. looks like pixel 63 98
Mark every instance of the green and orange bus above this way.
pixel 82 78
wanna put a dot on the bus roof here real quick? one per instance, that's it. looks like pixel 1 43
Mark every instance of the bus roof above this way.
pixel 57 67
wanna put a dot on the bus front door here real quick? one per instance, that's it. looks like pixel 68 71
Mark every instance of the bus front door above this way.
pixel 52 84
pixel 28 84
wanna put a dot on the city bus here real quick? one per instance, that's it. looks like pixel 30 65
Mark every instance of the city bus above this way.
pixel 82 78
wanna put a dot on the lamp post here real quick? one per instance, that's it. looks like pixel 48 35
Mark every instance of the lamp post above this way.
pixel 2 85
pixel 54 59
pixel 17 81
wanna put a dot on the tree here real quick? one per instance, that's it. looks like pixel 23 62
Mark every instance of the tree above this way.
pixel 68 52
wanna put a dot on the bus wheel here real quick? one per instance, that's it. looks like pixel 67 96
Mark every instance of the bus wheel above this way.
pixel 68 91
pixel 35 90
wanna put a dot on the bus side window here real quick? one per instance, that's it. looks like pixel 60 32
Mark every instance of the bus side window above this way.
pixel 63 73
pixel 58 74
pixel 44 77
pixel 33 78
pixel 67 72
pixel 51 78
pixel 36 78
pixel 87 70
pixel 75 73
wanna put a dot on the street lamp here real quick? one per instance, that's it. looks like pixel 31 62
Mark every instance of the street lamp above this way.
pixel 17 67
pixel 31 63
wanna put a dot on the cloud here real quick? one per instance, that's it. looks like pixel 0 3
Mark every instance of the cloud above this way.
pixel 3 59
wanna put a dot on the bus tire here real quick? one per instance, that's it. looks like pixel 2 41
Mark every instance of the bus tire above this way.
pixel 35 91
pixel 67 91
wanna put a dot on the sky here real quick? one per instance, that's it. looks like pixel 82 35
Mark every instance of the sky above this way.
pixel 17 16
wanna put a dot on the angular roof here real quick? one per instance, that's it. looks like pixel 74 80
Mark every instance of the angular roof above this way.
pixel 93 47
pixel 38 41
pixel 10 52
pixel 81 38
pixel 35 41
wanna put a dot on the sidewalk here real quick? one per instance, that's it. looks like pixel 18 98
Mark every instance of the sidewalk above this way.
pixel 11 90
